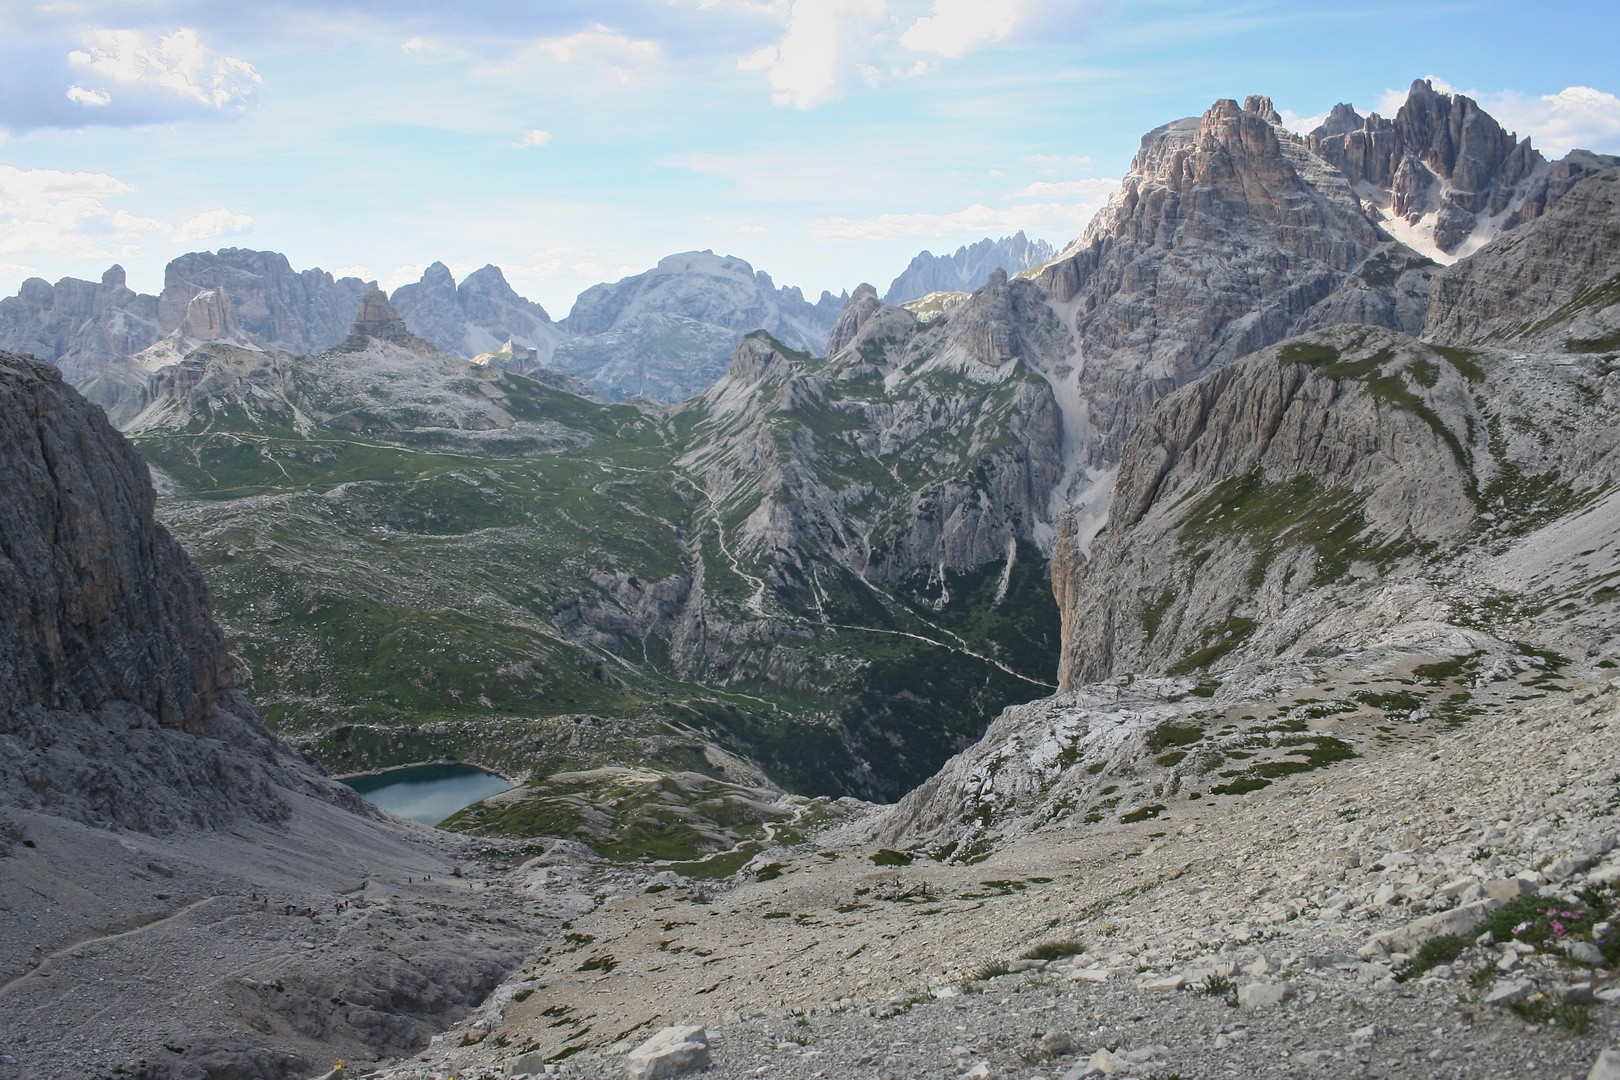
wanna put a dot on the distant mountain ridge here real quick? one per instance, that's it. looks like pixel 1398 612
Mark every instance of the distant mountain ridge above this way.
pixel 968 269
pixel 668 333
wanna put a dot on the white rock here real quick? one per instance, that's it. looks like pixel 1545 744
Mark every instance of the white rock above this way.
pixel 1264 995
pixel 1107 1063
pixel 1458 920
pixel 671 1052
pixel 1169 982
pixel 1584 952
pixel 1508 889
pixel 1092 975
pixel 526 1063
pixel 946 992
pixel 1363 1034
pixel 1504 991
pixel 1259 967
pixel 1606 1067
pixel 1313 1057
pixel 981 1071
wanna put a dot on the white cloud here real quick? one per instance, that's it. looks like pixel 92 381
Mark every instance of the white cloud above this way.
pixel 415 44
pixel 66 217
pixel 752 230
pixel 819 50
pixel 1577 116
pixel 625 57
pixel 209 224
pixel 355 270
pixel 178 62
pixel 1090 190
pixel 79 95
pixel 953 27
pixel 1060 221
pixel 408 274
pixel 1302 125
pixel 535 138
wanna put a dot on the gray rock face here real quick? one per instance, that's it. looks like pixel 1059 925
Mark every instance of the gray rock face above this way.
pixel 1335 436
pixel 1552 279
pixel 968 269
pixel 618 348
pixel 477 316
pixel 1228 234
pixel 304 311
pixel 79 325
pixel 116 699
pixel 1446 170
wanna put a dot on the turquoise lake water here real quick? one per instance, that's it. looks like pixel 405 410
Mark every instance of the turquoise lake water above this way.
pixel 428 793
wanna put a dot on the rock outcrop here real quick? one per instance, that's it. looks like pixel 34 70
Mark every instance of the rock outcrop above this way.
pixel 1444 175
pixel 862 304
pixel 966 270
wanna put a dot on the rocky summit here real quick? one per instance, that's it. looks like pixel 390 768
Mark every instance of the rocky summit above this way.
pixel 1191 655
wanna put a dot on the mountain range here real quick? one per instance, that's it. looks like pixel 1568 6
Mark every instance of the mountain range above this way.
pixel 1285 482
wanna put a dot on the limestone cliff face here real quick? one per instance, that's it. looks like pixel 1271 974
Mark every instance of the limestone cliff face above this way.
pixel 116 698
pixel 1552 280
pixel 304 311
pixel 79 325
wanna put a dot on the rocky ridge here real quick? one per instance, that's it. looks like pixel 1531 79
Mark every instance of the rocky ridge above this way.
pixel 968 268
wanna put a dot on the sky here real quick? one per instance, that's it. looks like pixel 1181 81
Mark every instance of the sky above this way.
pixel 572 142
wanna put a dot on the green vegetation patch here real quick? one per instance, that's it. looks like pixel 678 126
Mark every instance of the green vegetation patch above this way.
pixel 1144 813
pixel 1170 734
pixel 889 857
pixel 1055 950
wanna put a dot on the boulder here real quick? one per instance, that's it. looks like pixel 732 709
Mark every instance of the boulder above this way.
pixel 1108 1063
pixel 1584 952
pixel 671 1052
pixel 1508 889
pixel 1264 995
pixel 1606 1067
pixel 1458 920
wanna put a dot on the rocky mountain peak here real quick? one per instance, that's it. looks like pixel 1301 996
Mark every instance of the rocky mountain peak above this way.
pixel 378 321
pixel 1443 175
pixel 967 269
pixel 860 307
pixel 1261 106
